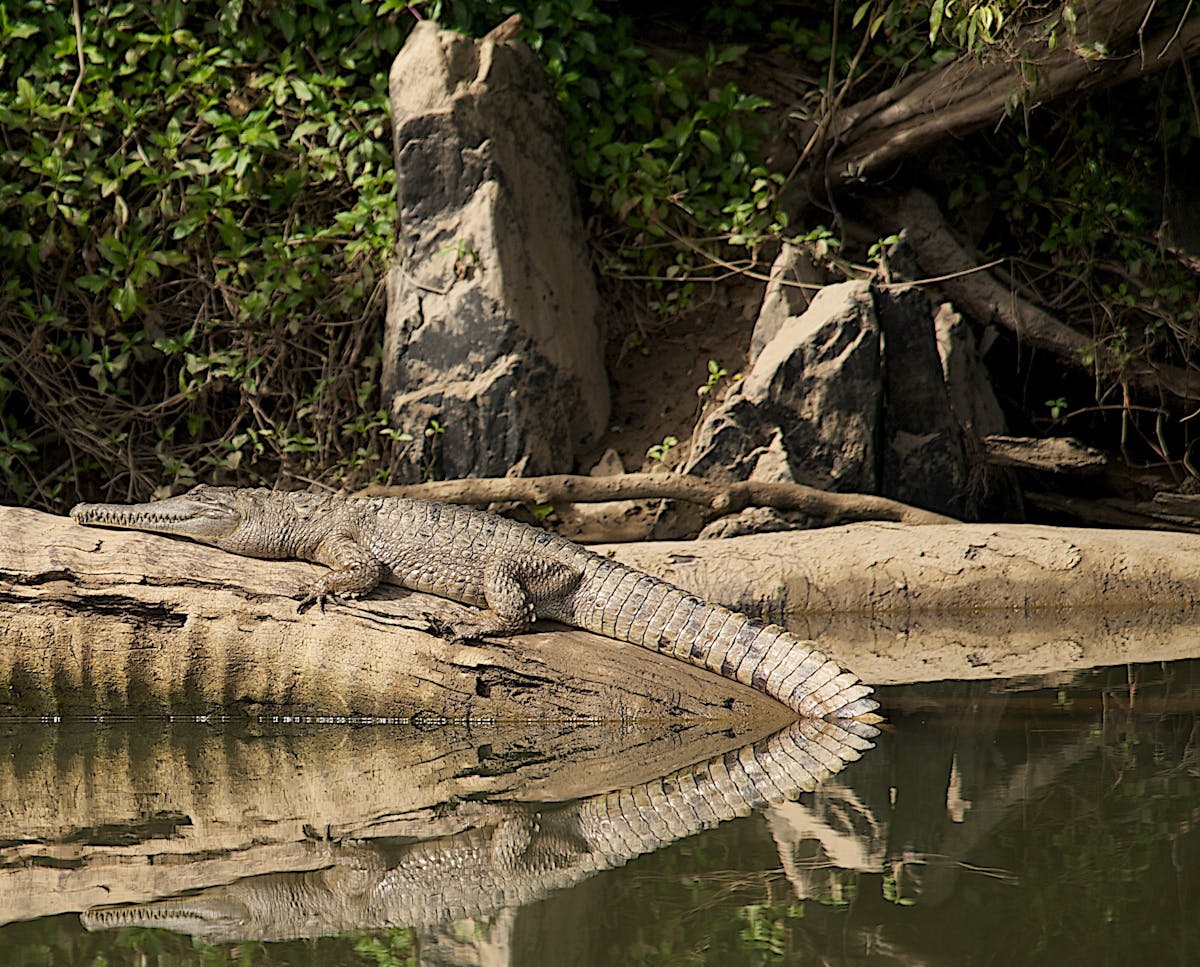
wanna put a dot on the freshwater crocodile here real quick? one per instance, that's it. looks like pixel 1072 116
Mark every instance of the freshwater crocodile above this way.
pixel 512 855
pixel 513 573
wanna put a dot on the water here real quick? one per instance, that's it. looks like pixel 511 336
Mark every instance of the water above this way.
pixel 1043 820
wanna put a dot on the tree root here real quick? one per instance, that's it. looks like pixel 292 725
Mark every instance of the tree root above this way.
pixel 985 299
pixel 722 498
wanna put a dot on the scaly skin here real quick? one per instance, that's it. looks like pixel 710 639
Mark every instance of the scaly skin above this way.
pixel 513 573
pixel 521 854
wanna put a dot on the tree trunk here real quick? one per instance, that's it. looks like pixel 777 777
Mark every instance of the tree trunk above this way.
pixel 966 93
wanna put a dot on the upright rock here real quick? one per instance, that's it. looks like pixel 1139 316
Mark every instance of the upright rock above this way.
pixel 924 462
pixel 493 355
pixel 815 390
pixel 845 392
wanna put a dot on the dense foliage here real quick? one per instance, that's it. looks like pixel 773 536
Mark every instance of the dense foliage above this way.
pixel 199 213
pixel 195 213
pixel 196 206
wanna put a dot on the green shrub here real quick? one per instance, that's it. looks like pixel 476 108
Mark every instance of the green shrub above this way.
pixel 194 230
pixel 668 153
pixel 197 224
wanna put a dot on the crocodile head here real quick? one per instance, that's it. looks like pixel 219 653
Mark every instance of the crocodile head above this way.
pixel 213 917
pixel 247 522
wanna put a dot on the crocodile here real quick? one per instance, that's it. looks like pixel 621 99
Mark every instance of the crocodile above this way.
pixel 509 855
pixel 511 572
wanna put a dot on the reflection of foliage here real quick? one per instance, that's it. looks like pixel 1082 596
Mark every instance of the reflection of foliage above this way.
pixel 1108 858
pixel 1128 825
pixel 717 899
pixel 392 949
pixel 62 940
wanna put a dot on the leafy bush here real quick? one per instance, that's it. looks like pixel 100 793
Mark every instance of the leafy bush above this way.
pixel 194 225
pixel 197 222
pixel 667 152
pixel 1080 194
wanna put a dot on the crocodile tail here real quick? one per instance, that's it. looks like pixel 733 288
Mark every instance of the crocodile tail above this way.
pixel 772 661
pixel 631 606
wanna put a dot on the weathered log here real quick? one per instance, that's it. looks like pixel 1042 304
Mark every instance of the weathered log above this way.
pixel 1049 454
pixel 100 623
pixel 964 601
pixel 129 623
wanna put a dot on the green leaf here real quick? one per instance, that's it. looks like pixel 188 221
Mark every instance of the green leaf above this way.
pixel 188 224
pixel 125 299
pixel 936 11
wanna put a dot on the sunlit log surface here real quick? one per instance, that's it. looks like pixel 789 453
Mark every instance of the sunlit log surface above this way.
pixel 116 623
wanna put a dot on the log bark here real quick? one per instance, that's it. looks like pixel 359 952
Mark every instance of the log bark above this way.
pixel 904 604
pixel 1063 455
pixel 127 623
pixel 111 622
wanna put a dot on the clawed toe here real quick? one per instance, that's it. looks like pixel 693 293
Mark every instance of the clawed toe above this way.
pixel 440 627
pixel 315 597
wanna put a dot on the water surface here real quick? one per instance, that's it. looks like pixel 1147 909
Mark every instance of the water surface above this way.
pixel 1041 820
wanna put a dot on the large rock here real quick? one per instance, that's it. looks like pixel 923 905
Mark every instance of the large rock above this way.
pixel 924 461
pixel 815 389
pixel 992 492
pixel 791 287
pixel 845 392
pixel 493 355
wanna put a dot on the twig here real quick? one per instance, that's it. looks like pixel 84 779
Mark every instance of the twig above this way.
pixel 82 67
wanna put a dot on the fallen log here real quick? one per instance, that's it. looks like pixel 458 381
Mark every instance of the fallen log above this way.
pixel 904 604
pixel 1049 455
pixel 131 623
pixel 125 623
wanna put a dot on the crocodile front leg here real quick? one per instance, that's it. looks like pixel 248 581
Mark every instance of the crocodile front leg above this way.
pixel 354 571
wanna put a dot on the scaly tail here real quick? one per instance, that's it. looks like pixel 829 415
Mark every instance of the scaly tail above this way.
pixel 777 769
pixel 628 605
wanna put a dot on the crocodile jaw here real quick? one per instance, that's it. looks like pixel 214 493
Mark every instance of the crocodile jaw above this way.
pixel 211 918
pixel 205 514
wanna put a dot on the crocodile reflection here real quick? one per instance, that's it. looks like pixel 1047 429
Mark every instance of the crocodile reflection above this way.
pixel 523 853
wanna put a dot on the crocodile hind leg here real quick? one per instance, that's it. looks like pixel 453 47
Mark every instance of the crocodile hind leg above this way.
pixel 516 595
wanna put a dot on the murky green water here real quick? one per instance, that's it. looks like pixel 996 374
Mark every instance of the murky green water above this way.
pixel 1048 821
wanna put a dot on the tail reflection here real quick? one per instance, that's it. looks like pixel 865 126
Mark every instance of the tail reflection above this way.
pixel 507 855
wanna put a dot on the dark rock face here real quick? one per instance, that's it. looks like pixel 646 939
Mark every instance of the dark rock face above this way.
pixel 493 356
pixel 855 391
pixel 924 463
pixel 816 387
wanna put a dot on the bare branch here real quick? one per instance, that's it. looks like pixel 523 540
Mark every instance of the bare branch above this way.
pixel 721 498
